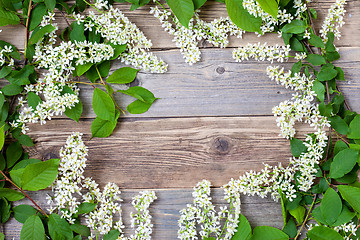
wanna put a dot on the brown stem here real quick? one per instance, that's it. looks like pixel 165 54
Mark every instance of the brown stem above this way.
pixel 62 13
pixel 22 191
pixel 27 29
pixel 345 101
pixel 307 216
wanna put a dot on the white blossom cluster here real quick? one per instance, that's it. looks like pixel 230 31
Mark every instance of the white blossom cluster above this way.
pixel 187 39
pixel 113 26
pixel 71 188
pixel 349 229
pixel 4 56
pixel 334 20
pixel 202 212
pixel 262 52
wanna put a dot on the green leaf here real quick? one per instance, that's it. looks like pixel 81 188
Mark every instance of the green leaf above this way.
pixel 343 163
pixel 340 76
pixel 4 210
pixel 269 6
pixel 323 233
pixel 75 112
pixel 316 59
pixel 11 90
pixel 2 136
pixel 112 235
pixel 104 68
pixel 81 69
pixel 339 146
pixel 21 77
pixel 80 229
pixel 40 175
pixel 86 207
pixel 269 233
pixel 33 100
pixel 298 214
pixel 140 93
pixel 331 206
pixel 316 41
pixel 50 4
pixel 36 36
pixel 243 230
pixel 296 26
pixel 319 89
pixel 327 73
pixel 77 33
pixel 354 128
pixel 59 228
pixel 8 18
pixel 332 56
pixel 103 105
pixel 345 217
pixel 241 17
pixel 290 228
pixel 339 124
pixel 36 15
pixel 329 46
pixel 138 107
pixel 13 154
pixel 183 10
pixel 123 75
pixel 198 3
pixel 32 229
pixel 297 147
pixel 102 128
pixel 118 49
pixel 11 194
pixel 23 212
pixel 313 13
pixel 296 45
pixel 5 70
pixel 283 207
pixel 351 195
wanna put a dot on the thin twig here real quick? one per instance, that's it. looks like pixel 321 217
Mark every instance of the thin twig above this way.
pixel 307 216
pixel 62 13
pixel 27 29
pixel 22 191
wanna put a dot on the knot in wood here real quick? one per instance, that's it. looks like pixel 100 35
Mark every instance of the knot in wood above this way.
pixel 220 70
pixel 50 155
pixel 221 145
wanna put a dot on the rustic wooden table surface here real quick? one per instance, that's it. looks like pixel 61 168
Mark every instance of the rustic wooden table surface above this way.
pixel 213 122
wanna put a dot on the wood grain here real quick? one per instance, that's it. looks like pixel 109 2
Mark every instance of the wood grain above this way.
pixel 165 211
pixel 218 86
pixel 161 40
pixel 171 152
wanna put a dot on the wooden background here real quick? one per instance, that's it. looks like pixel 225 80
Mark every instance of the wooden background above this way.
pixel 213 122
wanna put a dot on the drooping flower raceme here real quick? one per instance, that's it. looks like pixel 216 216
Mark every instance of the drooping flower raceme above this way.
pixel 334 20
pixel 71 188
pixel 116 29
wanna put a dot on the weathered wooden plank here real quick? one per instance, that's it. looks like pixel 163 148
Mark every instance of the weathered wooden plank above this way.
pixel 218 86
pixel 153 30
pixel 171 152
pixel 165 211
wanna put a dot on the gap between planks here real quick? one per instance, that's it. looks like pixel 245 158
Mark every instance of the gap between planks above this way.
pixel 173 152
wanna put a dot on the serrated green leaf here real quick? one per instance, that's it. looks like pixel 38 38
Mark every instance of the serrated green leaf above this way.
pixel 331 206
pixel 77 32
pixel 354 128
pixel 243 231
pixel 80 229
pixel 298 214
pixel 198 3
pixel 241 17
pixel 327 73
pixel 316 59
pixel 123 75
pixel 103 105
pixel 11 194
pixel 351 195
pixel 269 6
pixel 323 233
pixel 2 136
pixel 59 228
pixel 11 90
pixel 138 107
pixel 290 228
pixel 36 36
pixel 112 235
pixel 81 69
pixel 13 154
pixel 32 229
pixel 140 93
pixel 8 18
pixel 316 41
pixel 5 70
pixel 33 100
pixel 343 163
pixel 75 112
pixel 102 128
pixel 296 26
pixel 23 212
pixel 36 15
pixel 86 207
pixel 319 89
pixel 297 147
pixel 268 233
pixel 50 4
pixel 345 216
pixel 40 175
pixel 183 10
pixel 118 49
